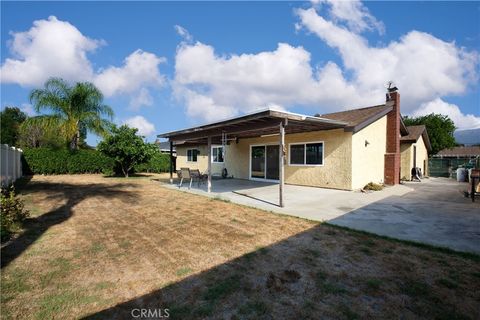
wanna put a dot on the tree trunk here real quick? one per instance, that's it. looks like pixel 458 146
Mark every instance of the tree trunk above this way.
pixel 125 172
pixel 74 141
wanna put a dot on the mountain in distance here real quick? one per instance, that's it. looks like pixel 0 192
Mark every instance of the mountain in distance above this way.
pixel 467 137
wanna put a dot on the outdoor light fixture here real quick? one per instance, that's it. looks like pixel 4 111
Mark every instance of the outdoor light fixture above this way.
pixel 366 143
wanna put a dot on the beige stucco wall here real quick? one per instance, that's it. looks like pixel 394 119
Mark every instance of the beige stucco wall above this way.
pixel 406 160
pixel 422 156
pixel 369 161
pixel 336 171
pixel 406 150
pixel 202 160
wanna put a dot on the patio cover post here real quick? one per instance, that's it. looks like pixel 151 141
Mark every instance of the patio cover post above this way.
pixel 209 181
pixel 282 162
pixel 171 162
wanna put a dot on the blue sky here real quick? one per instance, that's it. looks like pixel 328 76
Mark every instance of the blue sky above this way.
pixel 168 65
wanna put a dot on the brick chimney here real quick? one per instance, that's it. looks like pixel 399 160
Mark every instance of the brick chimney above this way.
pixel 392 155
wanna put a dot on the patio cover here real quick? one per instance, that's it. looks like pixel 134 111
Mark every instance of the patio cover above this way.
pixel 256 124
pixel 265 122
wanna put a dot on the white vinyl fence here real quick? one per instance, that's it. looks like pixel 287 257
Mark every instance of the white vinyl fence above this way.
pixel 11 164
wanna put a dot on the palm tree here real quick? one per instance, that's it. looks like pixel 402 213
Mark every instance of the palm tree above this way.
pixel 74 109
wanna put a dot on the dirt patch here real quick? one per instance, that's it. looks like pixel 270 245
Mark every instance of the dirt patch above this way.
pixel 101 247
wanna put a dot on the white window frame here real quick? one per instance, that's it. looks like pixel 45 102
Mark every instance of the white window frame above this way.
pixel 193 149
pixel 305 154
pixel 223 154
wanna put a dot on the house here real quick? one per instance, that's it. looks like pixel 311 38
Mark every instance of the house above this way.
pixel 414 150
pixel 164 147
pixel 342 150
pixel 459 152
pixel 446 161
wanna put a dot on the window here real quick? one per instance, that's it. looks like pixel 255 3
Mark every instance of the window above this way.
pixel 309 154
pixel 217 154
pixel 192 155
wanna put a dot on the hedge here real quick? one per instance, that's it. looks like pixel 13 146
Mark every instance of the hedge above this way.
pixel 62 161
pixel 160 162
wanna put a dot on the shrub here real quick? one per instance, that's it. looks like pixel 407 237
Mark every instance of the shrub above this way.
pixel 126 148
pixel 12 213
pixel 62 161
pixel 373 186
pixel 160 162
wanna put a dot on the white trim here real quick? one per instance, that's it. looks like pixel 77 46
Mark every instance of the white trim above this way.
pixel 305 154
pixel 223 151
pixel 186 153
pixel 250 161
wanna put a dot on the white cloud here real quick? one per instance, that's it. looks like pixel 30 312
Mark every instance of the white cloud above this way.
pixel 356 16
pixel 140 69
pixel 28 109
pixel 145 128
pixel 144 98
pixel 182 32
pixel 421 65
pixel 55 48
pixel 215 86
pixel 462 121
pixel 50 48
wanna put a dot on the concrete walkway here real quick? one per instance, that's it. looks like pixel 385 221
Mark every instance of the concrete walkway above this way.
pixel 433 211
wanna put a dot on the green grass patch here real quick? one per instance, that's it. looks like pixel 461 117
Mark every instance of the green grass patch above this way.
pixel 204 310
pixel 223 288
pixel 14 283
pixel 256 308
pixel 97 248
pixel 183 271
pixel 348 313
pixel 448 283
pixel 325 285
pixel 366 251
pixel 124 244
pixel 416 288
pixel 102 285
pixel 179 311
pixel 53 305
pixel 374 284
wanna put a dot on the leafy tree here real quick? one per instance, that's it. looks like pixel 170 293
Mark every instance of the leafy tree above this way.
pixel 74 109
pixel 33 135
pixel 10 120
pixel 440 130
pixel 126 148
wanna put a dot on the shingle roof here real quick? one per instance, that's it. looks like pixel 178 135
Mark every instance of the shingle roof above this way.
pixel 460 152
pixel 358 119
pixel 357 116
pixel 414 132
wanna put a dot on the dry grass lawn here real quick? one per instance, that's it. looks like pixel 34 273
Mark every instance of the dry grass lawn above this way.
pixel 98 247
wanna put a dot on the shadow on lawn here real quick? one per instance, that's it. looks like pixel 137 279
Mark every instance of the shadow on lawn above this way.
pixel 73 194
pixel 306 276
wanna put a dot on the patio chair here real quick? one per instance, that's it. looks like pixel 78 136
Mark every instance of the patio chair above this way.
pixel 197 176
pixel 185 174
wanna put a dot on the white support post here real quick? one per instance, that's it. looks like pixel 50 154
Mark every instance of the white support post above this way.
pixel 282 163
pixel 171 161
pixel 209 180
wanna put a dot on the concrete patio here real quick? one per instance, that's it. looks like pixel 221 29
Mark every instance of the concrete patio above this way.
pixel 433 211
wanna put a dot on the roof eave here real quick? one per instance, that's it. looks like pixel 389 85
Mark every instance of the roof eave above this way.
pixel 267 113
pixel 369 121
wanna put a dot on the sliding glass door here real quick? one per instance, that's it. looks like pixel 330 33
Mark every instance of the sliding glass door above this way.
pixel 264 162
